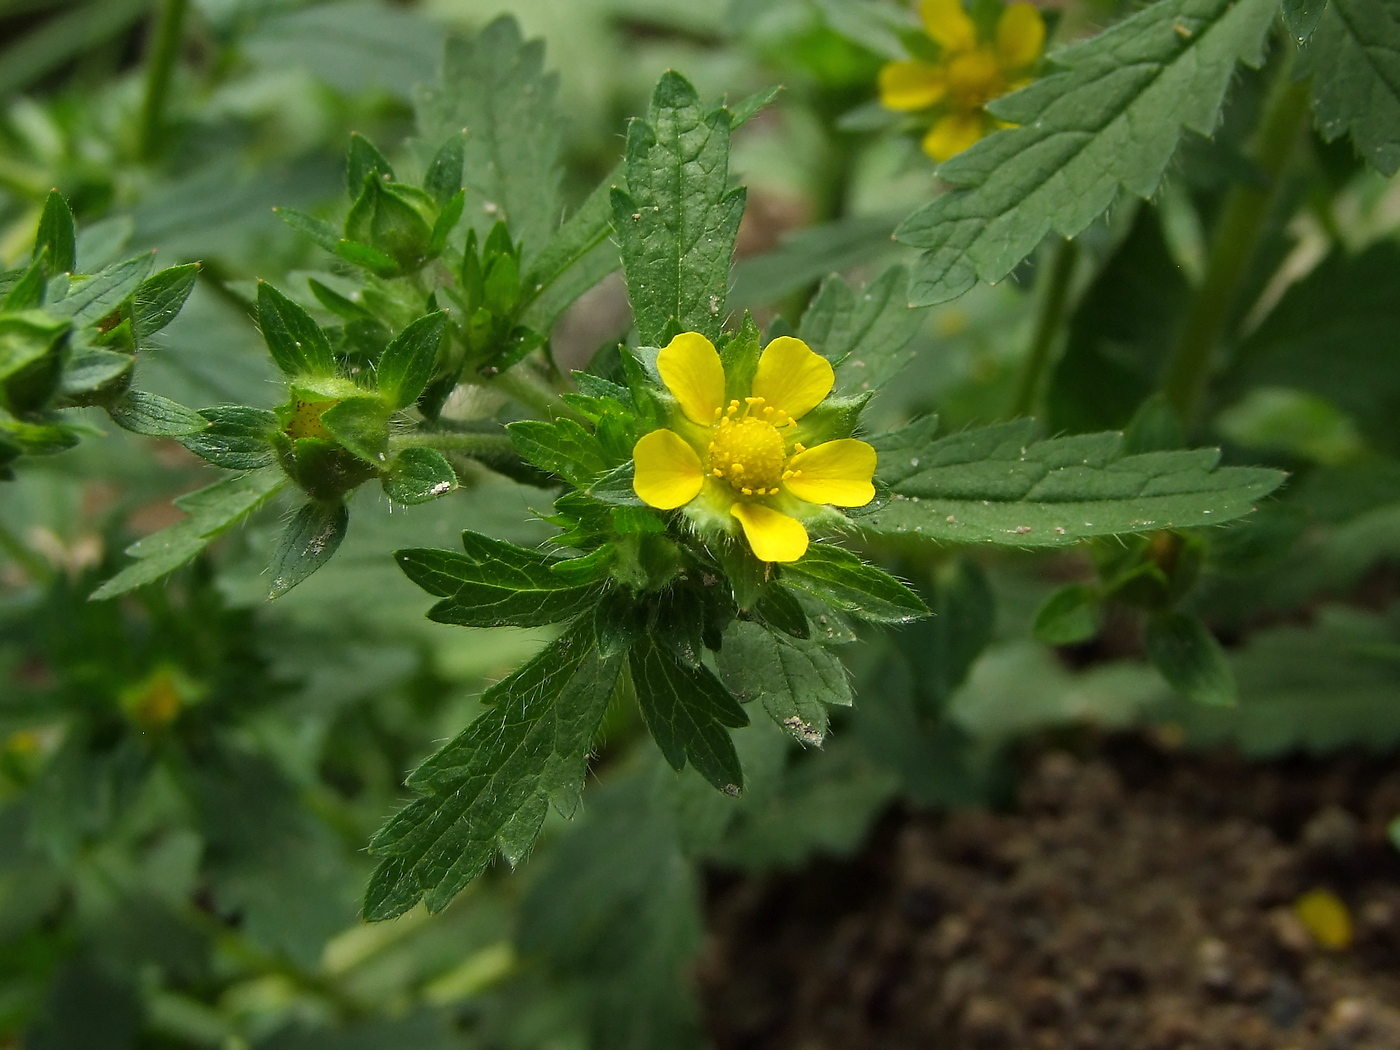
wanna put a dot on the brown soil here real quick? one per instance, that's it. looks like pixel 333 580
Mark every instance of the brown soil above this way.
pixel 1134 900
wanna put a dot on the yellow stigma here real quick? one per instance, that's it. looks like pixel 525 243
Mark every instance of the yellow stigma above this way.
pixel 747 450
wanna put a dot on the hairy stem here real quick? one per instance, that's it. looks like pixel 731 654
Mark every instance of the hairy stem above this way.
pixel 1047 329
pixel 469 443
pixel 160 67
pixel 1242 219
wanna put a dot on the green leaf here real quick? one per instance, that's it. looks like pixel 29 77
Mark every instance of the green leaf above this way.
pixel 160 298
pixel 155 416
pixel 1190 658
pixel 942 648
pixel 419 475
pixel 677 219
pixel 795 679
pixel 494 86
pixel 992 485
pixel 849 585
pixel 408 362
pixel 26 290
pixel 1353 57
pixel 307 543
pixel 1110 120
pixel 687 710
pixel 56 236
pixel 865 334
pixel 91 299
pixel 529 745
pixel 297 344
pixel 494 584
pixel 239 437
pixel 88 371
pixel 372 259
pixel 316 230
pixel 1071 615
pixel 361 426
pixel 211 511
pixel 1331 335
pixel 1302 16
pixel 809 255
pixel 562 447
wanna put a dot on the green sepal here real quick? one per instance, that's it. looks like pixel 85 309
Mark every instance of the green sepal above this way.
pixel 408 363
pixel 361 425
pixel 364 161
pixel 27 291
pixel 444 178
pixel 92 377
pixel 308 542
pixel 298 345
pixel 1190 659
pixel 371 259
pixel 318 231
pixel 418 475
pixel 390 218
pixel 322 469
pixel 844 582
pixel 32 348
pixel 92 299
pixel 56 244
pixel 689 713
pixel 159 299
pixel 1071 615
pixel 155 416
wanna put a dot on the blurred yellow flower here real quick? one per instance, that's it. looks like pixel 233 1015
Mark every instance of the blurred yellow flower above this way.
pixel 742 458
pixel 967 74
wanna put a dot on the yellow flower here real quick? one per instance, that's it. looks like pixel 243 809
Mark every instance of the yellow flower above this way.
pixel 740 460
pixel 967 75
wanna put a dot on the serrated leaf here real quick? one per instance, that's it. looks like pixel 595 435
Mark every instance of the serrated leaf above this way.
pixel 865 334
pixel 155 416
pixel 677 220
pixel 91 299
pixel 494 86
pixel 992 485
pixel 1301 17
pixel 689 713
pixel 159 299
pixel 419 475
pixel 56 239
pixel 211 511
pixel 796 680
pixel 1109 121
pixel 1189 657
pixel 849 585
pixel 407 363
pixel 297 344
pixel 495 584
pixel 310 538
pixel 530 743
pixel 1353 57
pixel 238 437
pixel 563 447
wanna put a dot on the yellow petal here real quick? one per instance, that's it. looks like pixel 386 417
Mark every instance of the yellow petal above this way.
pixel 952 134
pixel 668 472
pixel 1020 36
pixel 792 376
pixel 772 534
pixel 910 86
pixel 835 472
pixel 948 23
pixel 690 367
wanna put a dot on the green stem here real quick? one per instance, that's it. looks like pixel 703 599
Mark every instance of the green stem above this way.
pixel 1237 233
pixel 165 50
pixel 34 566
pixel 531 392
pixel 469 443
pixel 1047 328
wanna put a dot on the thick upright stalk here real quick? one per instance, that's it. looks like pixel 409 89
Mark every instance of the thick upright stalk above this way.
pixel 531 392
pixel 160 67
pixel 1237 233
pixel 32 565
pixel 1047 329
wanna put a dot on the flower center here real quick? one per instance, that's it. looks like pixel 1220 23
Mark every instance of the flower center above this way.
pixel 974 78
pixel 746 450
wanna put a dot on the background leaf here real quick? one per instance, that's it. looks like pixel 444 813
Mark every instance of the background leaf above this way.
pixel 1353 57
pixel 1110 120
